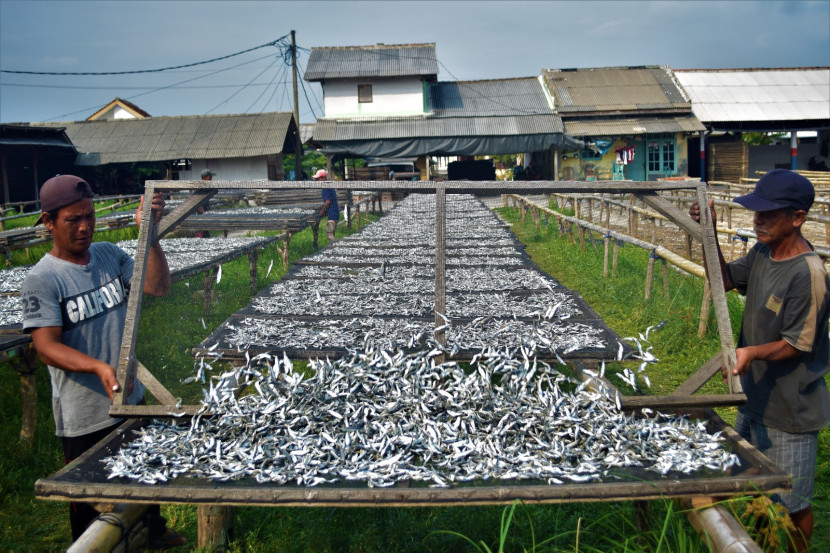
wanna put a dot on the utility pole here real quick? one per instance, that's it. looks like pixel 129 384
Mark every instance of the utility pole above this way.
pixel 298 149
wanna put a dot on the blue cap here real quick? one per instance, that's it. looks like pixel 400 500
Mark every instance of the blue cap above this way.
pixel 779 189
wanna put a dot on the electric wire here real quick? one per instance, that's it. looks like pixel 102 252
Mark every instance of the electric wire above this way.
pixel 226 100
pixel 109 73
pixel 264 90
pixel 98 106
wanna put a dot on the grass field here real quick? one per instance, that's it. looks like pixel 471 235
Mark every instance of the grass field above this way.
pixel 171 326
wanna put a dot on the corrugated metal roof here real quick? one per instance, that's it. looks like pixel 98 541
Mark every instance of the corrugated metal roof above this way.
pixel 380 60
pixel 522 96
pixel 27 135
pixel 615 89
pixel 636 126
pixel 736 95
pixel 168 138
pixel 428 126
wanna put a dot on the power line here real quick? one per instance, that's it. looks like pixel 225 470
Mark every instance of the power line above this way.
pixel 71 87
pixel 272 43
pixel 226 100
pixel 165 87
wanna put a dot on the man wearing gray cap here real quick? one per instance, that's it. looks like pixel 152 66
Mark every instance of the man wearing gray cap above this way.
pixel 75 305
pixel 783 348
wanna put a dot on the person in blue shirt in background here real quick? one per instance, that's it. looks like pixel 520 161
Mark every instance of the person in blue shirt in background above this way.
pixel 329 206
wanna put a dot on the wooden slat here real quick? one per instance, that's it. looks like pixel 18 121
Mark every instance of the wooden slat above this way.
pixel 701 376
pixel 712 264
pixel 154 386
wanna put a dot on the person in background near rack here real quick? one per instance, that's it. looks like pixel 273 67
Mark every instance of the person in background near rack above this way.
pixel 329 206
pixel 533 172
pixel 75 307
pixel 783 348
pixel 207 174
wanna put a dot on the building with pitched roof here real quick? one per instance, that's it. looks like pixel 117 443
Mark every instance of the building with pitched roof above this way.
pixel 783 100
pixel 119 109
pixel 384 101
pixel 29 156
pixel 634 121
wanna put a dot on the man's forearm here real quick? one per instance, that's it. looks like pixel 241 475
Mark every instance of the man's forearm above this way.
pixel 157 279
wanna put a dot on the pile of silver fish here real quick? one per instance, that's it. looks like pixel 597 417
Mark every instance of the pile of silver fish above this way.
pixel 276 333
pixel 383 418
pixel 375 289
pixel 184 253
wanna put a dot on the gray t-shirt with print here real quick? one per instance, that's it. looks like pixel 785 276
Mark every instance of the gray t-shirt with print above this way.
pixel 89 304
pixel 787 299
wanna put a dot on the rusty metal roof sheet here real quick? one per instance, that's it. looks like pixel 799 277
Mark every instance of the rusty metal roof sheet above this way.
pixel 521 96
pixel 381 60
pixel 633 126
pixel 616 89
pixel 168 138
pixel 735 95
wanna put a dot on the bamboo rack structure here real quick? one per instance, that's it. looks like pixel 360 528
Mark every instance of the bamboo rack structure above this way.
pixel 81 481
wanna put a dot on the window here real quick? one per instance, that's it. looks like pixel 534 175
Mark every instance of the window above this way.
pixel 661 156
pixel 589 152
pixel 364 93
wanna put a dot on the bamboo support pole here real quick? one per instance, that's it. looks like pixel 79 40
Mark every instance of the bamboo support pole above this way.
pixel 665 269
pixel 103 536
pixel 616 256
pixel 719 529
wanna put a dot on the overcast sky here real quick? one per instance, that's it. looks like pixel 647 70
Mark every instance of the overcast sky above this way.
pixel 474 40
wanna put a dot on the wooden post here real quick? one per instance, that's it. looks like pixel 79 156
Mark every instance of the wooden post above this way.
pixel 649 275
pixel 605 256
pixel 665 279
pixel 614 264
pixel 210 276
pixel 440 266
pixel 253 257
pixel 26 365
pixel 581 238
pixel 215 526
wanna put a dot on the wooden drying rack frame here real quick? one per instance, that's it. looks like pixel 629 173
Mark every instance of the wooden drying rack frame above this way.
pixel 648 192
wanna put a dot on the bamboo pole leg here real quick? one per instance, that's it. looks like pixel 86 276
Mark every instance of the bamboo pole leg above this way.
pixel 215 526
pixel 105 536
pixel 665 279
pixel 718 528
pixel 616 255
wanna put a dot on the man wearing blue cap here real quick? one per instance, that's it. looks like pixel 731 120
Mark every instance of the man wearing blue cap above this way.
pixel 783 348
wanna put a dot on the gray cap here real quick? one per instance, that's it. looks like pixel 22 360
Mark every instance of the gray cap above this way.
pixel 207 173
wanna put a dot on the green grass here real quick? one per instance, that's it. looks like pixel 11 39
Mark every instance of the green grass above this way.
pixel 170 327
